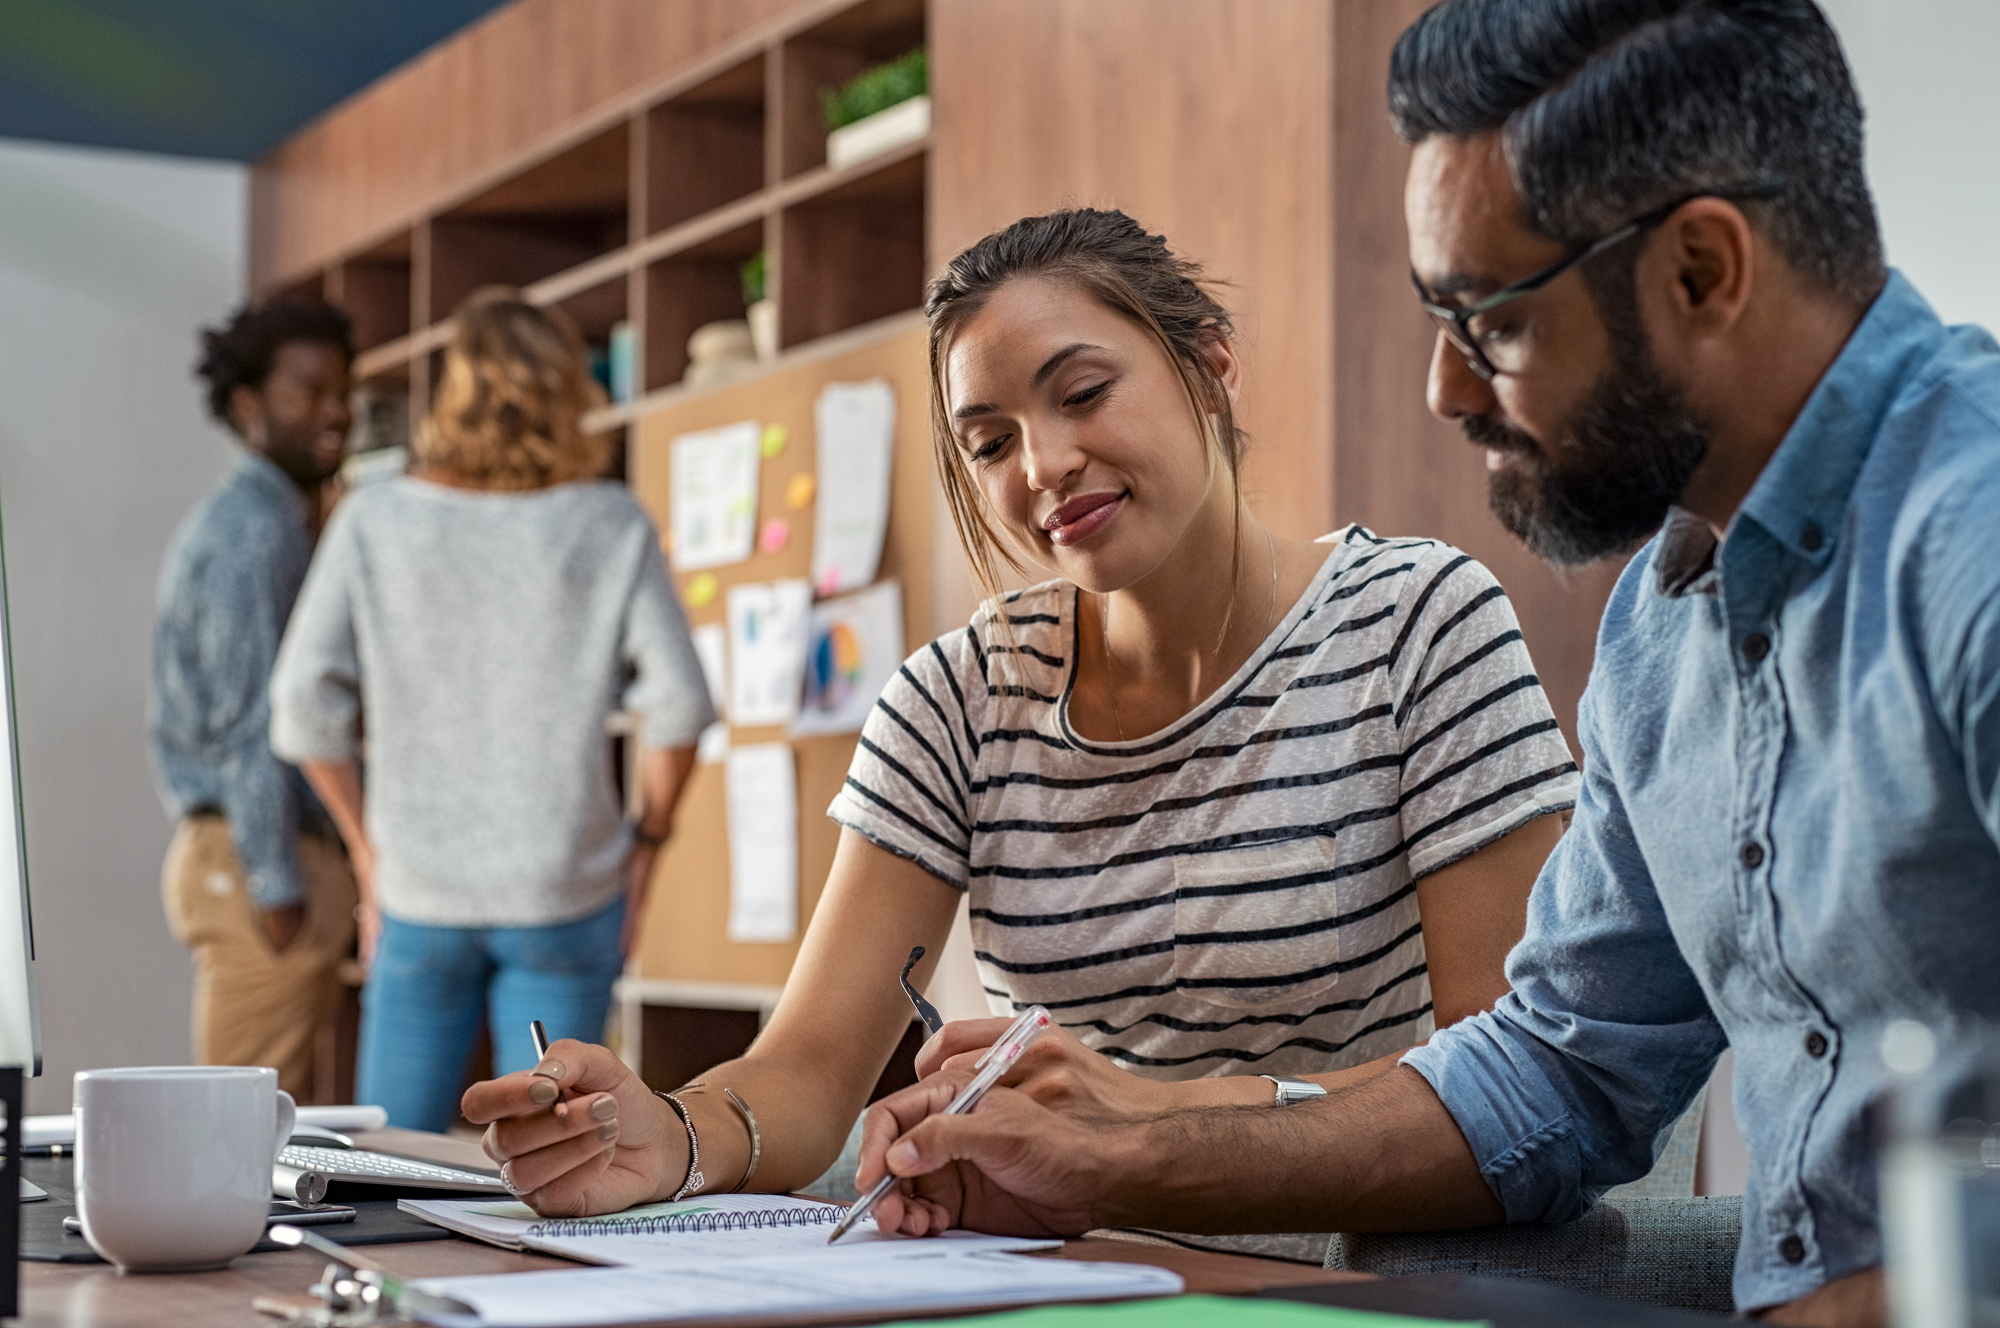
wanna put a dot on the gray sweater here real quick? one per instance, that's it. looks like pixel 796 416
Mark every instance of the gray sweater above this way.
pixel 486 637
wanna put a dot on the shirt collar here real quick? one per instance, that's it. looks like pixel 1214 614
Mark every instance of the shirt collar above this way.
pixel 1684 562
pixel 256 471
pixel 1801 497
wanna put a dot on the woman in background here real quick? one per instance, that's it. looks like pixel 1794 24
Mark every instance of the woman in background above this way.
pixel 486 614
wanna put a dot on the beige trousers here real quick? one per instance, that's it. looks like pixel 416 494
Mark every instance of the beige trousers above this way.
pixel 254 1005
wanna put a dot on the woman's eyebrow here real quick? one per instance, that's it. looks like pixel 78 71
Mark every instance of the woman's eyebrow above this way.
pixel 1049 366
pixel 1055 361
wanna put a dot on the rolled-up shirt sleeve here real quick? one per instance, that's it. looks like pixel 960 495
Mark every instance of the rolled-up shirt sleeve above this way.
pixel 1570 1084
pixel 667 687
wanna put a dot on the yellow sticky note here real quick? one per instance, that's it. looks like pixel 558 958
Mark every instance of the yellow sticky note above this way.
pixel 773 440
pixel 799 493
pixel 701 590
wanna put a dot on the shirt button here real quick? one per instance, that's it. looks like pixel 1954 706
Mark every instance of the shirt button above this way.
pixel 1810 538
pixel 1815 1044
pixel 1756 646
pixel 1752 855
pixel 1793 1249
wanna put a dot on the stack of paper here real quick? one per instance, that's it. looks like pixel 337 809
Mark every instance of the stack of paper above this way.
pixel 881 1278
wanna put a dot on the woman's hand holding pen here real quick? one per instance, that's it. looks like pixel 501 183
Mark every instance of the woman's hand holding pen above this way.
pixel 579 1133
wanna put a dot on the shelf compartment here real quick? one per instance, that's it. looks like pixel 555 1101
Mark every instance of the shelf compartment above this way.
pixel 374 288
pixel 705 148
pixel 827 55
pixel 382 416
pixel 697 285
pixel 854 252
pixel 552 217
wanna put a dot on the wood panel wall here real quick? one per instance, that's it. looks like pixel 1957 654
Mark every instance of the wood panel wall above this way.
pixel 1395 468
pixel 1209 121
pixel 467 108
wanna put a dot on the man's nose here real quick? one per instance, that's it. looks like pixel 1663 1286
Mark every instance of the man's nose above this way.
pixel 1453 391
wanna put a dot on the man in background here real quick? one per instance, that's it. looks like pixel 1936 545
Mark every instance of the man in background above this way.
pixel 255 883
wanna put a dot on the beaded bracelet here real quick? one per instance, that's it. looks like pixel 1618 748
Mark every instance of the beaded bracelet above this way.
pixel 695 1180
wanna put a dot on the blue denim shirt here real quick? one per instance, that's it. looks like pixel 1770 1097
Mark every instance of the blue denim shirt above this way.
pixel 1789 828
pixel 226 590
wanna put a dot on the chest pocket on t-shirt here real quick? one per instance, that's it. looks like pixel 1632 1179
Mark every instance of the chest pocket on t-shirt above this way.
pixel 1258 927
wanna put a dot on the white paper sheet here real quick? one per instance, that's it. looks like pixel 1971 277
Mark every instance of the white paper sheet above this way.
pixel 763 800
pixel 854 647
pixel 891 1276
pixel 856 424
pixel 713 495
pixel 711 647
pixel 767 650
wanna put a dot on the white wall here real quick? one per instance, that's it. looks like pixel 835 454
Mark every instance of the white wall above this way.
pixel 108 263
pixel 1924 71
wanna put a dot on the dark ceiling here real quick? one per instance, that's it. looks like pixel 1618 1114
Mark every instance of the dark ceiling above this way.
pixel 206 78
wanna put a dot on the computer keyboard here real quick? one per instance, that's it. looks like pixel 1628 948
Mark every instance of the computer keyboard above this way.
pixel 359 1165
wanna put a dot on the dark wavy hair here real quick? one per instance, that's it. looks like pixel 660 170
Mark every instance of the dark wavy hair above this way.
pixel 1607 109
pixel 240 353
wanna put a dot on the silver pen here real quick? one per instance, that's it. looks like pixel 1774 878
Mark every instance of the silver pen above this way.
pixel 999 1059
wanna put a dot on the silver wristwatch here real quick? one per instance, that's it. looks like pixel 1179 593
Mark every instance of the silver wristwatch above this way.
pixel 1292 1091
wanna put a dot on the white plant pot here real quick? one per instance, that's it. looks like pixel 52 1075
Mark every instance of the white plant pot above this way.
pixel 763 317
pixel 905 122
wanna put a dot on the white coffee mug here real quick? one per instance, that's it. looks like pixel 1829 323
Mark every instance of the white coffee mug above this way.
pixel 173 1163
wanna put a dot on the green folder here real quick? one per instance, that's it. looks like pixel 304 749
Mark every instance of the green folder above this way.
pixel 1192 1312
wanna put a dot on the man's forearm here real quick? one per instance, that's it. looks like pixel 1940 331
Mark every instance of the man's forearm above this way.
pixel 1383 1155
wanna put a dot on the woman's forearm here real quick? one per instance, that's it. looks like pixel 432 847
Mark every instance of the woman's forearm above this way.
pixel 663 777
pixel 338 784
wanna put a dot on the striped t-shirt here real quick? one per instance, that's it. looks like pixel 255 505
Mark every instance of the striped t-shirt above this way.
pixel 1236 893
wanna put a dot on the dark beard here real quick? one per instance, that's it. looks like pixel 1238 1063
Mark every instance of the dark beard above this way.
pixel 1626 457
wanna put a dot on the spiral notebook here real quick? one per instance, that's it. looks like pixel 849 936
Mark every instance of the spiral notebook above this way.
pixel 718 1226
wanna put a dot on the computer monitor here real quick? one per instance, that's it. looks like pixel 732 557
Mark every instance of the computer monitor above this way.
pixel 20 1015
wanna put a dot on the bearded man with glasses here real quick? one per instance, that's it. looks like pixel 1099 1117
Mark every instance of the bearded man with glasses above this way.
pixel 1644 232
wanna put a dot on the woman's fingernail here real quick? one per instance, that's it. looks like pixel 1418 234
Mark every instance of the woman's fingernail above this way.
pixel 901 1155
pixel 542 1092
pixel 608 1130
pixel 549 1069
pixel 605 1107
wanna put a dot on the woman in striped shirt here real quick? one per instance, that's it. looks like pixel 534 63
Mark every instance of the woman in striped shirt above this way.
pixel 1229 805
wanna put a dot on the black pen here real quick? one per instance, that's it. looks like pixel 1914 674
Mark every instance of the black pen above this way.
pixel 541 1038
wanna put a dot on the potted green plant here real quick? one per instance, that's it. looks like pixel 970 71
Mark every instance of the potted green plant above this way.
pixel 880 108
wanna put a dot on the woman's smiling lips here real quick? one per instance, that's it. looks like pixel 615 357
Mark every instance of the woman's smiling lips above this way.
pixel 1080 518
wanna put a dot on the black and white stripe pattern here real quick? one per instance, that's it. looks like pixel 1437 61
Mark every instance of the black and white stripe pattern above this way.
pixel 1235 894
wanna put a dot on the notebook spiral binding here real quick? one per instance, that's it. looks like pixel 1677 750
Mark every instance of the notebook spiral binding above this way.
pixel 676 1223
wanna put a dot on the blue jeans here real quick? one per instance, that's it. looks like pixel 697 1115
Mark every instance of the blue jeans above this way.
pixel 429 986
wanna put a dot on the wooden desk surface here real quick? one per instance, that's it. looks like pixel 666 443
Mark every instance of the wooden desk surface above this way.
pixel 56 1295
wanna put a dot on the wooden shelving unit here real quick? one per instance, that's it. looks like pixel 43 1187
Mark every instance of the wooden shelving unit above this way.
pixel 645 214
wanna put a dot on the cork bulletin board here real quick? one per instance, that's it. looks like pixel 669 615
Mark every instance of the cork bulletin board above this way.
pixel 684 937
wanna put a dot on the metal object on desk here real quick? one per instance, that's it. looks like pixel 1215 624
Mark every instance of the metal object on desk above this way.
pixel 353 1292
pixel 305 1185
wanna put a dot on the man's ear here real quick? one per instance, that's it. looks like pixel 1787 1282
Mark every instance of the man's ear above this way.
pixel 246 414
pixel 1709 258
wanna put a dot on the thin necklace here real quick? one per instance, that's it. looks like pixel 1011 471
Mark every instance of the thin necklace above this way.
pixel 1104 634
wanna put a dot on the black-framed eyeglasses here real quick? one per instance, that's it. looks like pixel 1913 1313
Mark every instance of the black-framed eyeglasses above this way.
pixel 1481 345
